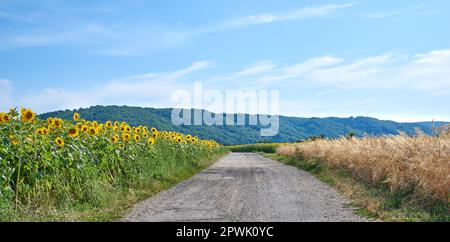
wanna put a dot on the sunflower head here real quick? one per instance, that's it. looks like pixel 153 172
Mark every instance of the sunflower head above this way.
pixel 150 141
pixel 73 132
pixel 84 128
pixel 179 139
pixel 13 140
pixel 79 126
pixel 137 138
pixel 59 142
pixel 154 130
pixel 76 117
pixel 50 121
pixel 126 137
pixel 93 131
pixel 115 139
pixel 137 130
pixel 108 124
pixel 57 123
pixel 45 131
pixel 155 135
pixel 4 118
pixel 40 131
pixel 28 115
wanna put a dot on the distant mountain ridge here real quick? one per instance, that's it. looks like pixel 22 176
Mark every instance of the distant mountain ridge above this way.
pixel 291 128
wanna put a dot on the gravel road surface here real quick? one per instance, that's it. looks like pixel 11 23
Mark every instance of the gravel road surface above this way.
pixel 246 187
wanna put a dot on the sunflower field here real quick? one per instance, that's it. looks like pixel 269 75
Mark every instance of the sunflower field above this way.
pixel 56 164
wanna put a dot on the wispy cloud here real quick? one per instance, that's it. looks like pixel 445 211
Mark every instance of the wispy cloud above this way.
pixel 399 13
pixel 151 89
pixel 265 18
pixel 426 72
pixel 132 39
pixel 323 93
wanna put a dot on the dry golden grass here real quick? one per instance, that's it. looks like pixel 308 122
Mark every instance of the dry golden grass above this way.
pixel 416 167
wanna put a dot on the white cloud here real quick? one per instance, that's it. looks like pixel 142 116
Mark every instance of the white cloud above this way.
pixel 298 70
pixel 428 72
pixel 386 14
pixel 259 67
pixel 323 93
pixel 299 14
pixel 415 10
pixel 150 89
pixel 135 39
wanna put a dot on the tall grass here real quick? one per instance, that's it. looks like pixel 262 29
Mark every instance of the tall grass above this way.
pixel 416 169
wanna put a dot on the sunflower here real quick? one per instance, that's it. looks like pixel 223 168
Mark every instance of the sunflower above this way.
pixel 40 131
pixel 76 117
pixel 155 135
pixel 45 131
pixel 188 137
pixel 108 124
pixel 179 140
pixel 93 131
pixel 79 126
pixel 137 130
pixel 13 140
pixel 126 137
pixel 84 128
pixel 57 123
pixel 154 130
pixel 115 139
pixel 137 138
pixel 128 129
pixel 95 124
pixel 116 124
pixel 121 146
pixel 50 121
pixel 145 134
pixel 73 132
pixel 59 142
pixel 4 118
pixel 28 115
pixel 150 141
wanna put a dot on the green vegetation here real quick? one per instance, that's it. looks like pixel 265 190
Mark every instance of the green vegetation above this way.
pixel 61 170
pixel 292 129
pixel 260 147
pixel 377 203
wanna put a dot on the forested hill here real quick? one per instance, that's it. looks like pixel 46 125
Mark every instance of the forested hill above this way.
pixel 291 128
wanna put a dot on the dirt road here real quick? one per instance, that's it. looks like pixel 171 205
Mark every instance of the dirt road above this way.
pixel 246 187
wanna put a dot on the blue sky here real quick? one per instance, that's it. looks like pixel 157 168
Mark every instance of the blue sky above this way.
pixel 381 58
